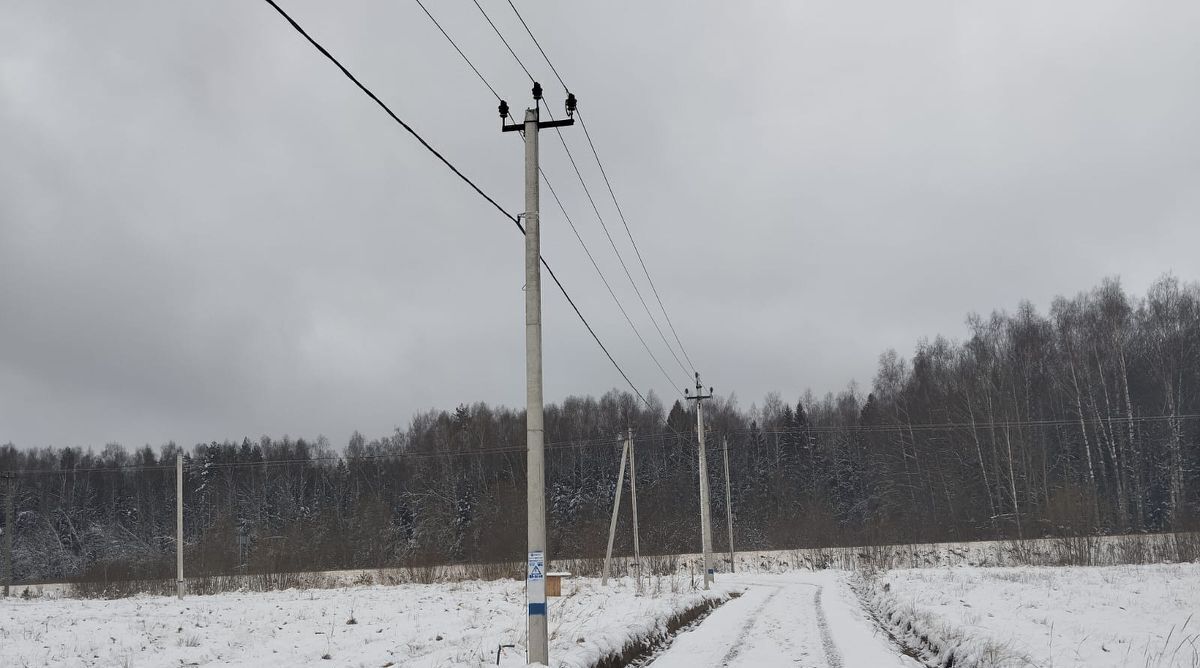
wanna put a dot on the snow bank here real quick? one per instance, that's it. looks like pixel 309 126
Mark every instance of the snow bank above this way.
pixel 593 624
pixel 935 641
pixel 1073 616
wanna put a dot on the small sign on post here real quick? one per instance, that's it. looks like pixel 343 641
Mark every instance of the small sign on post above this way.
pixel 535 583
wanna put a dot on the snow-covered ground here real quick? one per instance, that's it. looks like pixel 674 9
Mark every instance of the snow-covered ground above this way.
pixel 1033 616
pixel 800 619
pixel 455 624
pixel 787 615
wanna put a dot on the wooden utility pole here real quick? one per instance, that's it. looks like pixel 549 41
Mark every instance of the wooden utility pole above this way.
pixel 535 581
pixel 705 516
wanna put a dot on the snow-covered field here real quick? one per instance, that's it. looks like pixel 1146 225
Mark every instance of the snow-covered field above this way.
pixel 455 624
pixel 797 610
pixel 1032 616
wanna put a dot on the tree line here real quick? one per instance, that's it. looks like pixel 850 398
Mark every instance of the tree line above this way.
pixel 1080 421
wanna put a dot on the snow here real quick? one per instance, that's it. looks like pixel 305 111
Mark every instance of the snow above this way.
pixel 953 611
pixel 1071 616
pixel 451 624
pixel 799 619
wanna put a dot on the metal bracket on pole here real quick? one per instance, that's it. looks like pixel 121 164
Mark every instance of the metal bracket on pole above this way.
pixel 542 125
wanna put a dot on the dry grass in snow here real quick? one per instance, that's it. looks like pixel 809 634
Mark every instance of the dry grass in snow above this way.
pixel 1049 617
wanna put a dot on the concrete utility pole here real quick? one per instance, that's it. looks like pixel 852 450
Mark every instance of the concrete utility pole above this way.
pixel 10 527
pixel 637 552
pixel 705 514
pixel 612 523
pixel 535 582
pixel 728 504
pixel 179 525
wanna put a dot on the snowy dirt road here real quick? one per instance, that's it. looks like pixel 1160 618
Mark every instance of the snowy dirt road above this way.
pixel 798 620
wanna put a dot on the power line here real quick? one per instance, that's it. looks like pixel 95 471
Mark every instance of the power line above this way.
pixel 639 336
pixel 501 36
pixel 460 51
pixel 389 111
pixel 538 45
pixel 611 192
pixel 621 214
pixel 587 192
pixel 605 280
pixel 468 181
pixel 548 184
pixel 194 465
pixel 613 243
pixel 593 332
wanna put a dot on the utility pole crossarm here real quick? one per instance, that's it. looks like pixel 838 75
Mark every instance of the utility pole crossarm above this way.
pixel 542 125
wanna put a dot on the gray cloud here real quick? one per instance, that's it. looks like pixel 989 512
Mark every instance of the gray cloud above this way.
pixel 205 232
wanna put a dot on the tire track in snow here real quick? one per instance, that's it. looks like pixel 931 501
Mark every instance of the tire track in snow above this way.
pixel 751 620
pixel 832 656
pixel 789 623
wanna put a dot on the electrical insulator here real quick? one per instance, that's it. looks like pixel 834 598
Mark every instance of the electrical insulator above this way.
pixel 503 109
pixel 571 104
pixel 537 91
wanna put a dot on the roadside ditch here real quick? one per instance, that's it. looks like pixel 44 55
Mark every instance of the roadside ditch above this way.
pixel 642 651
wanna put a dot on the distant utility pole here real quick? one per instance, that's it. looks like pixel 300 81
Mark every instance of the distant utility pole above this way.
pixel 705 515
pixel 535 582
pixel 626 452
pixel 637 552
pixel 9 528
pixel 728 504
pixel 612 523
pixel 179 525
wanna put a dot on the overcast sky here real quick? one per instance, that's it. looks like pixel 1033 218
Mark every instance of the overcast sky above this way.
pixel 206 232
